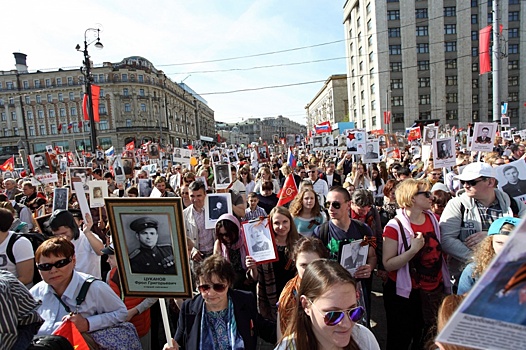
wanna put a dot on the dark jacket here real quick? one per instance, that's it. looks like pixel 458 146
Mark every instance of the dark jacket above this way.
pixel 336 180
pixel 250 324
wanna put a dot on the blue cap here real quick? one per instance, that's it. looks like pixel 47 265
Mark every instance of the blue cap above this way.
pixel 495 227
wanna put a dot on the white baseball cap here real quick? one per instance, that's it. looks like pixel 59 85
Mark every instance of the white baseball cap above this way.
pixel 474 171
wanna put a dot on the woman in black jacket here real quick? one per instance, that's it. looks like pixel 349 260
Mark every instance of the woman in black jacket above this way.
pixel 220 317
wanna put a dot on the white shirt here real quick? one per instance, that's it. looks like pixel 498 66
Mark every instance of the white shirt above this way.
pixel 329 179
pixel 321 188
pixel 87 260
pixel 22 251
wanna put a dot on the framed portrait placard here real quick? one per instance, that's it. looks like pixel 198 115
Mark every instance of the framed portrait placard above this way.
pixel 79 175
pixel 98 189
pixel 483 137
pixel 222 176
pixel 263 154
pixel 372 154
pixel 150 246
pixel 512 179
pixel 259 241
pixel 353 255
pixel 216 204
pixel 444 154
pixel 60 198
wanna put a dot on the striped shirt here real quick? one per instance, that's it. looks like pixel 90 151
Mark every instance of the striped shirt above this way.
pixel 17 308
pixel 254 214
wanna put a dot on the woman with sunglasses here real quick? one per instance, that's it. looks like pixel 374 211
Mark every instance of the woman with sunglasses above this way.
pixel 327 313
pixel 220 317
pixel 265 175
pixel 273 276
pixel 245 177
pixel 418 277
pixel 306 211
pixel 102 308
pixel 184 193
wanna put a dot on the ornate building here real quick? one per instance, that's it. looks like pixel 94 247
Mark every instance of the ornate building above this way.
pixel 137 103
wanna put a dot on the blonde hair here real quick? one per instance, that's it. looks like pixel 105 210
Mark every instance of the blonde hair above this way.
pixel 484 253
pixel 407 189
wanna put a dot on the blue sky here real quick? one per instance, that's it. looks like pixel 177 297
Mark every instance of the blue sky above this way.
pixel 169 33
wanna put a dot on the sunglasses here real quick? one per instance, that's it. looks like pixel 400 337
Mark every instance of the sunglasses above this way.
pixel 218 287
pixel 471 182
pixel 332 318
pixel 425 193
pixel 335 205
pixel 59 264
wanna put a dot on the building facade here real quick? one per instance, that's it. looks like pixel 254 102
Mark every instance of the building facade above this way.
pixel 420 61
pixel 137 103
pixel 330 103
pixel 270 129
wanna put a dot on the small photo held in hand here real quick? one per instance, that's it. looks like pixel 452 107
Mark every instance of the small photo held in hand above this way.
pixel 259 241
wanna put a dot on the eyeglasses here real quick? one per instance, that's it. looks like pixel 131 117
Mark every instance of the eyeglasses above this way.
pixel 472 183
pixel 311 171
pixel 177 168
pixel 59 264
pixel 435 174
pixel 218 287
pixel 425 193
pixel 335 205
pixel 332 318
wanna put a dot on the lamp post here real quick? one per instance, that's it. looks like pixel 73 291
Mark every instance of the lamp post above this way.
pixel 88 81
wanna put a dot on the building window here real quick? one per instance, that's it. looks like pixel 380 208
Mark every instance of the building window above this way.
pixel 370 41
pixel 59 81
pixel 71 96
pixel 394 32
pixel 424 99
pixel 474 3
pixel 393 15
pixel 40 114
pixel 42 129
pixel 36 83
pixel 27 99
pixel 372 89
pixel 452 97
pixel 141 92
pixel 368 8
pixel 396 66
pixel 140 78
pixel 25 83
pixel 73 111
pixel 474 19
pixel 128 123
pixel 513 33
pixel 60 97
pixel 31 129
pixel 423 65
pixel 127 107
pixel 11 101
pixel 451 63
pixel 53 129
pixel 397 101
pixel 474 84
pixel 450 46
pixel 38 99
pixel 13 115
pixel 452 114
pixel 51 113
pixel 451 80
pixel 513 16
pixel 102 109
pixel 125 92
pixel 361 80
pixel 513 64
pixel 62 112
pixel 143 107
pixel 450 29
pixel 422 31
pixel 70 81
pixel 369 25
pixel 424 82
pixel 373 105
pixel 50 98
pixel 30 115
pixel 103 125
pixel 3 116
pixel 395 49
pixel 513 48
pixel 101 93
pixel 6 132
pixel 101 78
pixel 513 2
pixel 422 48
pixel 124 77
pixel 513 96
pixel 398 117
pixel 513 81
pixel 48 82
pixel 490 18
pixel 475 99
pixel 360 66
pixel 450 11
pixel 474 67
pixel 474 52
pixel 397 84
pixel 420 13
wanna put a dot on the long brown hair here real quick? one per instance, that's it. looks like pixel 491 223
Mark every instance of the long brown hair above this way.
pixel 320 275
pixel 292 236
pixel 296 206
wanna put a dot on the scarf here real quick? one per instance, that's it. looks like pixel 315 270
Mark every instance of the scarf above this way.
pixel 235 341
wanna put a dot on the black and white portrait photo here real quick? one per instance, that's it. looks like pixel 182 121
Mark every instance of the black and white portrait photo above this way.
pixel 222 176
pixel 354 255
pixel 216 157
pixel 506 134
pixel 39 164
pixel 483 137
pixel 99 156
pixel 153 151
pixel 512 179
pixel 263 154
pixel 127 165
pixel 60 198
pixel 98 189
pixel 430 133
pixel 79 175
pixel 290 139
pixel 317 141
pixel 444 150
pixel 328 141
pixel 372 151
pixel 145 187
pixel 232 156
pixel 505 121
pixel 259 240
pixel 216 204
pixel 444 154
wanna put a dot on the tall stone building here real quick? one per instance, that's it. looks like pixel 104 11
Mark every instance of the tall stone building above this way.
pixel 268 129
pixel 330 103
pixel 137 103
pixel 419 60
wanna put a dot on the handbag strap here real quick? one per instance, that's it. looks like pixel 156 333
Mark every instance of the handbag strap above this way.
pixel 80 297
pixel 412 269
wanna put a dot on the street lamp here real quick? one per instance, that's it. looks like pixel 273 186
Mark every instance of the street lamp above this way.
pixel 88 80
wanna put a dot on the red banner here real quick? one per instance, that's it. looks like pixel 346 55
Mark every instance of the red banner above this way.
pixel 288 192
pixel 414 134
pixel 9 165
pixel 95 92
pixel 387 117
pixel 484 57
pixel 69 331
pixel 130 146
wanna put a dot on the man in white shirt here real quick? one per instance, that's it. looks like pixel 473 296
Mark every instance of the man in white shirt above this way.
pixel 318 184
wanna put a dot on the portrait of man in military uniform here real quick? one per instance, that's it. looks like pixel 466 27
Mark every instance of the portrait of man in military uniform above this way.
pixel 150 257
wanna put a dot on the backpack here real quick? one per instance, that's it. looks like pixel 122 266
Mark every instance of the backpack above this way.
pixel 36 240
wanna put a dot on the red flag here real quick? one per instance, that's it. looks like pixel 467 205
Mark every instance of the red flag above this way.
pixel 414 134
pixel 95 93
pixel 130 146
pixel 387 117
pixel 484 57
pixel 69 331
pixel 80 124
pixel 59 127
pixel 289 191
pixel 9 164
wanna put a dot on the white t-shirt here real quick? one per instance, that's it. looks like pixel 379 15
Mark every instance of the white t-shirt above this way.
pixel 22 251
pixel 87 260
pixel 361 335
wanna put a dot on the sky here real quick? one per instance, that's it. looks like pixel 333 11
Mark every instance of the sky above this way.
pixel 177 34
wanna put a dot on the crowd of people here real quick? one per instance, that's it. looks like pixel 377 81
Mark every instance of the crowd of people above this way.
pixel 427 233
